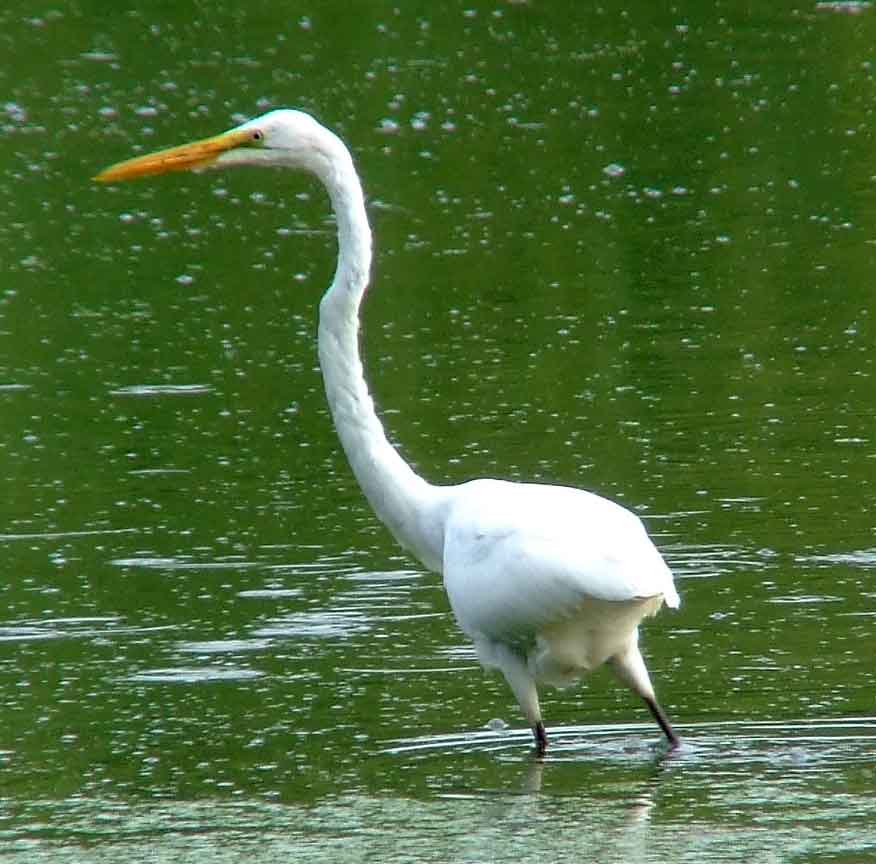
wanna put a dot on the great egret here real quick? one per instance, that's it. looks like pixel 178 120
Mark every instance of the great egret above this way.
pixel 549 582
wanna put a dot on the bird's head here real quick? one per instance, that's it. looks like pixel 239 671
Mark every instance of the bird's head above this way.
pixel 281 138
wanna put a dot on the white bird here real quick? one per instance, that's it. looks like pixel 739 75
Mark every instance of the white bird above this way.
pixel 548 582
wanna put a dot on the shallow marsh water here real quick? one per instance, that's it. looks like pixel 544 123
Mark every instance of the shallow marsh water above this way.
pixel 633 251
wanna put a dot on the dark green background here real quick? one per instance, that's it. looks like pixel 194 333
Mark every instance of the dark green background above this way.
pixel 631 249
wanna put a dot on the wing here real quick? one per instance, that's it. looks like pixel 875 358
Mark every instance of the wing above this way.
pixel 521 556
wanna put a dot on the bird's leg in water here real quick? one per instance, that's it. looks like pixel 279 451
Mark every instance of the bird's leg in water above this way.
pixel 540 738
pixel 663 721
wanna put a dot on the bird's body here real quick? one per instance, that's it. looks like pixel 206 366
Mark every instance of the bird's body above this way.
pixel 549 582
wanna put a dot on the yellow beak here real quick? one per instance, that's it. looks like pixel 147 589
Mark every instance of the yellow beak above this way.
pixel 186 157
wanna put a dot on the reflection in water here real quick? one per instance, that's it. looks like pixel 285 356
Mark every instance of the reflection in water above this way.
pixel 549 810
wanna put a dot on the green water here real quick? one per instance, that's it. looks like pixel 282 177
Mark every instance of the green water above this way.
pixel 631 250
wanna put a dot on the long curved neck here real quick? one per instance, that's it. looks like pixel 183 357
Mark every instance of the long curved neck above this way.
pixel 403 501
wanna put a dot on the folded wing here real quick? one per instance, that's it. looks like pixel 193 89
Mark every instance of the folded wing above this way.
pixel 521 557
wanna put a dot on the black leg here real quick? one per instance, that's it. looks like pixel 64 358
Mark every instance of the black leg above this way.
pixel 540 738
pixel 663 722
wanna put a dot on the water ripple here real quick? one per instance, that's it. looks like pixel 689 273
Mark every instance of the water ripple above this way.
pixel 171 563
pixel 223 646
pixel 322 625
pixel 66 535
pixel 70 628
pixel 151 390
pixel 191 675
pixel 863 558
pixel 718 747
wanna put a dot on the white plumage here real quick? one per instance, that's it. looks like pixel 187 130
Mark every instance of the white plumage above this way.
pixel 549 582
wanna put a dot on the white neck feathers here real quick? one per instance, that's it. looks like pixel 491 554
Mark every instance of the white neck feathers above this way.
pixel 402 500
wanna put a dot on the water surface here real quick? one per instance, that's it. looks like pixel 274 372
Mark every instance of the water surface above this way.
pixel 629 250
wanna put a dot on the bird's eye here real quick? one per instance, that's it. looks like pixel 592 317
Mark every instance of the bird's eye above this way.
pixel 257 136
